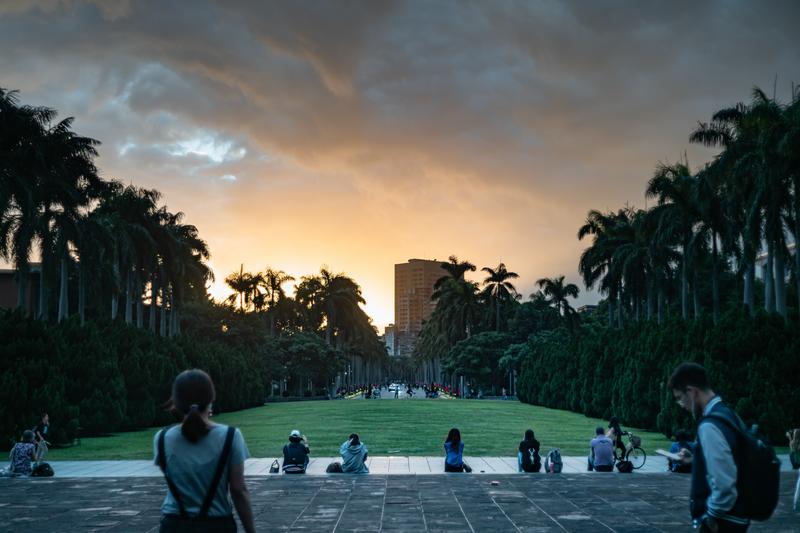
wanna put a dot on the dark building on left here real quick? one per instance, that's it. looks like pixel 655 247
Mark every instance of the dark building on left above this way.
pixel 9 288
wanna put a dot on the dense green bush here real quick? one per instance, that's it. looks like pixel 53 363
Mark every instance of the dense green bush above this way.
pixel 753 363
pixel 104 377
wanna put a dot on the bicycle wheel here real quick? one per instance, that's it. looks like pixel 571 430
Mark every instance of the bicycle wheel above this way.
pixel 637 457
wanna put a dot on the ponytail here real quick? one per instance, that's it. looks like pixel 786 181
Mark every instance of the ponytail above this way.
pixel 192 394
pixel 194 427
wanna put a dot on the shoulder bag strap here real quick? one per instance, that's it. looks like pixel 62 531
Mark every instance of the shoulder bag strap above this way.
pixel 162 464
pixel 223 461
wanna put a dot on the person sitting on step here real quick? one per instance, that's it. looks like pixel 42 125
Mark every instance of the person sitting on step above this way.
pixel 528 458
pixel 454 448
pixel 601 452
pixel 295 454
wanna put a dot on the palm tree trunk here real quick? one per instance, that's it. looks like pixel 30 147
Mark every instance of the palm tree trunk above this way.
pixel 139 305
pixel 162 325
pixel 42 309
pixel 153 299
pixel 780 282
pixel 63 290
pixel 769 281
pixel 23 273
pixel 650 300
pixel 684 287
pixel 128 296
pixel 114 291
pixel 82 292
pixel 610 302
pixel 714 277
pixel 695 296
pixel 749 286
pixel 497 311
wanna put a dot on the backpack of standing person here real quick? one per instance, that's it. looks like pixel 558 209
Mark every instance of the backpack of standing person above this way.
pixel 553 463
pixel 758 480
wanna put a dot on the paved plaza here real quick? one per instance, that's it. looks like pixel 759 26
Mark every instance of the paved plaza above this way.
pixel 448 503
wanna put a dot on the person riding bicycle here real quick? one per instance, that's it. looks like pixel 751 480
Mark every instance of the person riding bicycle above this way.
pixel 615 433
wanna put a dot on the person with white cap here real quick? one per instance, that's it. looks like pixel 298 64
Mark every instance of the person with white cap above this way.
pixel 295 454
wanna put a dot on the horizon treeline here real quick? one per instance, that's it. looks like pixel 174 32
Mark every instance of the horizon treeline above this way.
pixel 113 260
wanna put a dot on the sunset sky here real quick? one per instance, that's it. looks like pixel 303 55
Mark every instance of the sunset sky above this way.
pixel 361 134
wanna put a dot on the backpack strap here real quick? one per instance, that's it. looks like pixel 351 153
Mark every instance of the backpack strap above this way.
pixel 223 461
pixel 162 464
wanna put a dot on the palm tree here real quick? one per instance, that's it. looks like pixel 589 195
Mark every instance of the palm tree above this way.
pixel 272 282
pixel 498 287
pixel 455 270
pixel 242 285
pixel 677 214
pixel 557 294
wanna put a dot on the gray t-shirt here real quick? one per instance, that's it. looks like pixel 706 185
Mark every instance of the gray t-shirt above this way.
pixel 191 467
pixel 603 451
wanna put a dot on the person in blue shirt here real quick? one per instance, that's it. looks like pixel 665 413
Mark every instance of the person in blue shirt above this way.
pixel 601 452
pixel 454 448
pixel 682 442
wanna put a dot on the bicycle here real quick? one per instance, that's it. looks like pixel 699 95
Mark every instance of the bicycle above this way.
pixel 633 451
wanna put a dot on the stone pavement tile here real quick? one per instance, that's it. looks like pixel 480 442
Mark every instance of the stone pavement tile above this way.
pixel 387 503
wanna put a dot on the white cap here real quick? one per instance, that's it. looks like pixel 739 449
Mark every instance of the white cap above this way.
pixel 295 433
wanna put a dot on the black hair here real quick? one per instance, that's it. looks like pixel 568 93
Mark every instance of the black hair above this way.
pixel 192 393
pixel 529 435
pixel 354 440
pixel 454 436
pixel 27 436
pixel 682 436
pixel 599 430
pixel 688 375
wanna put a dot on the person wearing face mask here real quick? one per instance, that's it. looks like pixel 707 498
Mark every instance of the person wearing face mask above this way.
pixel 713 501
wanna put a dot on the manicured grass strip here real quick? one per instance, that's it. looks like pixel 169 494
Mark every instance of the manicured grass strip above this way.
pixel 388 427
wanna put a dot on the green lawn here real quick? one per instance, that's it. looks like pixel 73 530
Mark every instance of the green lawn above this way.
pixel 393 427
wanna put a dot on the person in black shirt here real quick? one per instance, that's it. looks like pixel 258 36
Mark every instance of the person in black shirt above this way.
pixel 613 424
pixel 528 455
pixel 295 454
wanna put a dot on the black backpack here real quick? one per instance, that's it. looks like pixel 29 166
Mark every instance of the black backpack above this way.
pixel 43 470
pixel 758 480
pixel 624 467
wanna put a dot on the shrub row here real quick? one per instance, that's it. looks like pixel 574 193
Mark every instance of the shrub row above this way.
pixel 104 377
pixel 753 363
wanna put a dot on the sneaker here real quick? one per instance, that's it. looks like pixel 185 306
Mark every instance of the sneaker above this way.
pixel 467 468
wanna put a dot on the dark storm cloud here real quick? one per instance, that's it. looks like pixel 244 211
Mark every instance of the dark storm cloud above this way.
pixel 514 115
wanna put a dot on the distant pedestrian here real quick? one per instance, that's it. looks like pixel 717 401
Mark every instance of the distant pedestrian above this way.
pixel 202 463
pixel 528 458
pixel 454 450
pixel 601 452
pixel 41 432
pixel 714 500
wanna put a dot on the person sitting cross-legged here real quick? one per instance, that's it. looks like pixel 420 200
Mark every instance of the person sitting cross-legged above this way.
pixel 528 459
pixel 601 452
pixel 354 455
pixel 295 454
pixel 22 455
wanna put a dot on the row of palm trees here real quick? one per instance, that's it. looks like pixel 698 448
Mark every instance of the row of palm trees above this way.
pixel 740 207
pixel 113 241
pixel 327 303
pixel 464 307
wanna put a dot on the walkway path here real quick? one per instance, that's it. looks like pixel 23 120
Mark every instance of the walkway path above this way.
pixel 415 504
pixel 399 465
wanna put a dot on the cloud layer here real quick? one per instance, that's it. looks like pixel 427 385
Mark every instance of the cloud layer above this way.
pixel 360 134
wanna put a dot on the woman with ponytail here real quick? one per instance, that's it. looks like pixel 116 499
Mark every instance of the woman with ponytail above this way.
pixel 202 463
